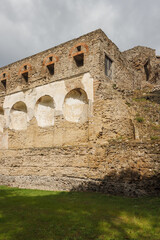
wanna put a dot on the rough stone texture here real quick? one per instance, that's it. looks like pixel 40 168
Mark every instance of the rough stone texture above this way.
pixel 118 167
pixel 66 125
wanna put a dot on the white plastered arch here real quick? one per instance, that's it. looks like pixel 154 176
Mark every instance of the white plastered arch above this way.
pixel 44 111
pixel 18 116
pixel 75 107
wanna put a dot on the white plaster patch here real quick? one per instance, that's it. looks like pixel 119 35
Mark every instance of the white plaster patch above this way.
pixel 18 116
pixel 18 120
pixel 30 100
pixel 44 111
pixel 75 107
pixel 56 90
pixel 59 93
pixel 87 82
pixel 10 100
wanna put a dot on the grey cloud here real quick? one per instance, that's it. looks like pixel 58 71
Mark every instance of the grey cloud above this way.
pixel 30 26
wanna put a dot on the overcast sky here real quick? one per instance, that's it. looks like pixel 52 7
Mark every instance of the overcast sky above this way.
pixel 31 26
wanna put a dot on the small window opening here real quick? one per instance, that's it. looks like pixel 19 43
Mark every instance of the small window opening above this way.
pixel 4 83
pixel 79 59
pixel 4 75
pixel 146 69
pixel 50 59
pixel 51 68
pixel 79 48
pixel 25 67
pixel 108 67
pixel 25 76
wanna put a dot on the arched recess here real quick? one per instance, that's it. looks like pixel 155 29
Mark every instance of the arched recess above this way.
pixel 44 111
pixel 1 119
pixel 18 116
pixel 75 107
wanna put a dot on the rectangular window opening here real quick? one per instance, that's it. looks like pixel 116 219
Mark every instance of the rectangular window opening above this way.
pixel 25 67
pixel 4 83
pixel 79 59
pixel 50 59
pixel 51 68
pixel 79 48
pixel 4 75
pixel 108 67
pixel 25 76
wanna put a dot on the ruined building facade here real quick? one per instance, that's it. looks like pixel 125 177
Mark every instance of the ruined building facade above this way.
pixel 82 116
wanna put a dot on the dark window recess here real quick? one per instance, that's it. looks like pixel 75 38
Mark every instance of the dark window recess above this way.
pixel 146 69
pixel 50 59
pixel 79 48
pixel 25 67
pixel 4 83
pixel 79 59
pixel 108 67
pixel 25 76
pixel 51 68
pixel 4 75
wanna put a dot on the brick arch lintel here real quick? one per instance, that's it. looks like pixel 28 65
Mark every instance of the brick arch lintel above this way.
pixel 71 54
pixel 56 59
pixel 24 71
pixel 7 76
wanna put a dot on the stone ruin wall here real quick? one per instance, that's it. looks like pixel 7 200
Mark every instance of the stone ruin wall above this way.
pixel 146 67
pixel 72 130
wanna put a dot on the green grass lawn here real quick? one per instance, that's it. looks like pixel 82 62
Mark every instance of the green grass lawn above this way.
pixel 35 214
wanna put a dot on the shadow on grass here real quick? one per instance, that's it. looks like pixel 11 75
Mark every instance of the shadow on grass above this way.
pixel 35 214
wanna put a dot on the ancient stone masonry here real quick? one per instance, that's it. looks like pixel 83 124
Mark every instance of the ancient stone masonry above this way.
pixel 82 116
